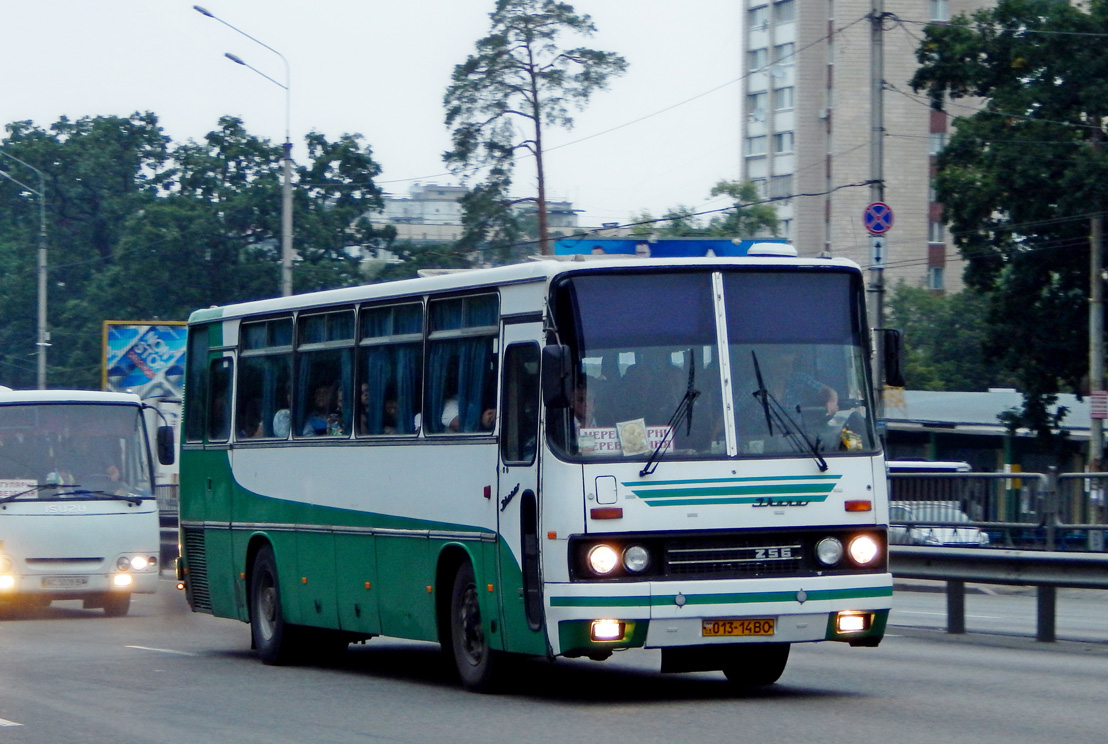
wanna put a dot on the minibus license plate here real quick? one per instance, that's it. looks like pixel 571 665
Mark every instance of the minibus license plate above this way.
pixel 737 626
pixel 56 581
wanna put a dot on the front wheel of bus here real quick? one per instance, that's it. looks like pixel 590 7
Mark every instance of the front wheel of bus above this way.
pixel 272 636
pixel 475 661
pixel 116 605
pixel 756 665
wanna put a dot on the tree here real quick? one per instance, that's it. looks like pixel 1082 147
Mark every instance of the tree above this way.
pixel 747 217
pixel 944 339
pixel 1021 177
pixel 519 73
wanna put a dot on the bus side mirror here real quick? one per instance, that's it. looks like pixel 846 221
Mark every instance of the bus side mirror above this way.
pixel 165 445
pixel 894 358
pixel 557 377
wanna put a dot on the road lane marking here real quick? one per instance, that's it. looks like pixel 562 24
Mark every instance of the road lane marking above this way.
pixel 4 722
pixel 162 650
pixel 943 614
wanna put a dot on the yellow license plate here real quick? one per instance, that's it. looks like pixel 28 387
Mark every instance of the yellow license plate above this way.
pixel 737 626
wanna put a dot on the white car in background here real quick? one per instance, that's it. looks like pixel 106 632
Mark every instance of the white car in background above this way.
pixel 934 523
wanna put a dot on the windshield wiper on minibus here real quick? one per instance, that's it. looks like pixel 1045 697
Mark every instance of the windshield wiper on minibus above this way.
pixel 34 489
pixel 789 427
pixel 684 409
pixel 77 490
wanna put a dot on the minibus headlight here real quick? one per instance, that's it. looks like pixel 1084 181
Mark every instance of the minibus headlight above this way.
pixel 636 559
pixel 5 564
pixel 603 559
pixel 864 549
pixel 829 550
pixel 139 562
pixel 123 563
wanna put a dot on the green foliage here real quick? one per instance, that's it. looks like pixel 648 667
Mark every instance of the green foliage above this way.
pixel 748 217
pixel 139 229
pixel 1020 178
pixel 944 339
pixel 519 72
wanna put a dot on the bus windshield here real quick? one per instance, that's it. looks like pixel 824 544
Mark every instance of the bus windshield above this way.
pixel 776 367
pixel 73 451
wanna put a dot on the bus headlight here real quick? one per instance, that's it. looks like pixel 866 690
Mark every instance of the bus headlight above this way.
pixel 636 559
pixel 140 562
pixel 6 564
pixel 603 559
pixel 829 550
pixel 123 563
pixel 864 549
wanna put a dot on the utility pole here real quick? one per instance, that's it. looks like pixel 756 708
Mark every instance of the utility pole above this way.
pixel 1096 321
pixel 877 194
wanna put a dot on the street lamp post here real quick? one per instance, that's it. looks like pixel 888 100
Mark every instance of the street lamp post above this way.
pixel 42 340
pixel 286 187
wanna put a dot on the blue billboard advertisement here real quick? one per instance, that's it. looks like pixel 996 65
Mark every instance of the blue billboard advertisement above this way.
pixel 144 358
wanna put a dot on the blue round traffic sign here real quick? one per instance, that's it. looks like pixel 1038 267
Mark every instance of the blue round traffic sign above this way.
pixel 878 218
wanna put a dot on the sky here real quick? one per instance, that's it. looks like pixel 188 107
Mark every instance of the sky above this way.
pixel 659 137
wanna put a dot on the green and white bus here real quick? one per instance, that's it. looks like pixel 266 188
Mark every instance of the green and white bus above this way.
pixel 556 458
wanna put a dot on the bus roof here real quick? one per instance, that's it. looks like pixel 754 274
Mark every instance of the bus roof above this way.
pixel 530 271
pixel 8 397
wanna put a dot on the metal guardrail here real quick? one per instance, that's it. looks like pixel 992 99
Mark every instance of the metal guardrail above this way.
pixel 1047 571
pixel 1033 511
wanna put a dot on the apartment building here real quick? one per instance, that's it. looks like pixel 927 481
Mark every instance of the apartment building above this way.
pixel 807 130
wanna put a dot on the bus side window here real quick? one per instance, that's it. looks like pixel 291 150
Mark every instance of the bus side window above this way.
pixel 461 365
pixel 219 399
pixel 520 420
pixel 196 384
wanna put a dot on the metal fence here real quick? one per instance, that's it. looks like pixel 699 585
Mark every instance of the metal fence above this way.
pixel 1028 511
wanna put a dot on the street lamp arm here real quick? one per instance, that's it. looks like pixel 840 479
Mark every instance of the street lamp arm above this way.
pixel 238 61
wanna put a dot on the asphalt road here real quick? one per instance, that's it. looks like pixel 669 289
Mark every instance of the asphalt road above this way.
pixel 164 674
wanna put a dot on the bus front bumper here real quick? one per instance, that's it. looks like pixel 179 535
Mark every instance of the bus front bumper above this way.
pixel 591 619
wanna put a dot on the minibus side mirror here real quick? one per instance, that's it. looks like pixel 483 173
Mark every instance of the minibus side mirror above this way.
pixel 164 439
pixel 557 377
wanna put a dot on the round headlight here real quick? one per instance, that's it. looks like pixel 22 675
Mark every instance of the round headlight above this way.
pixel 5 564
pixel 123 563
pixel 864 549
pixel 139 562
pixel 829 550
pixel 636 559
pixel 603 559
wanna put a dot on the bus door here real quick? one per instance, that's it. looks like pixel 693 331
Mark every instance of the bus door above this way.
pixel 517 499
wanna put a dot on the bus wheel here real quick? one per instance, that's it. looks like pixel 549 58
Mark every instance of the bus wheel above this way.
pixel 116 605
pixel 475 661
pixel 272 636
pixel 756 665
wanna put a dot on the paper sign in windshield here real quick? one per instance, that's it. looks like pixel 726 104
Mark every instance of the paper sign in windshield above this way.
pixel 629 438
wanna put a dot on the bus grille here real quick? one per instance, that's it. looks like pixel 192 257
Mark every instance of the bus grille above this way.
pixel 734 556
pixel 198 569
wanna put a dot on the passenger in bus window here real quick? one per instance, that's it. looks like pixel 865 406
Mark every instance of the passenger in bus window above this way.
pixel 315 422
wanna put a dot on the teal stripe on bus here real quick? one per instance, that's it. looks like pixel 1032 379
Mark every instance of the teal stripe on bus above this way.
pixel 724 598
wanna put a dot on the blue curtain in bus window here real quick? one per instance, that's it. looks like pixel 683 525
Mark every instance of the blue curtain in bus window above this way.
pixel 474 357
pixel 408 358
pixel 637 310
pixel 377 379
pixel 795 307
pixel 347 398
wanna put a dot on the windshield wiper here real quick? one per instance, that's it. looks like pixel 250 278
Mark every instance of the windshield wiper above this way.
pixel 684 409
pixel 34 489
pixel 789 427
pixel 78 490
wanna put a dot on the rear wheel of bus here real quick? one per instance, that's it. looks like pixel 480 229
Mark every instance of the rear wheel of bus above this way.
pixel 273 638
pixel 756 665
pixel 478 665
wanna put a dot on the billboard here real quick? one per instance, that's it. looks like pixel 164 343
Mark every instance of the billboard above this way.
pixel 147 358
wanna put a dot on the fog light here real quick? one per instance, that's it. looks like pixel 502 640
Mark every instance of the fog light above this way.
pixel 852 622
pixel 606 630
pixel 121 580
pixel 7 582
pixel 603 559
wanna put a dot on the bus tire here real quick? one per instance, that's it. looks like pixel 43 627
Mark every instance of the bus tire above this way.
pixel 756 665
pixel 273 638
pixel 476 662
pixel 116 605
